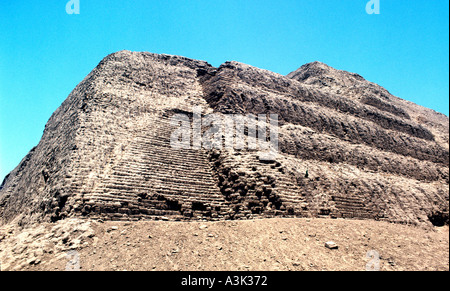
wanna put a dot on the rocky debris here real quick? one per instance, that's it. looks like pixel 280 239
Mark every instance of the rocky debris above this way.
pixel 33 245
pixel 113 228
pixel 33 261
pixel 255 244
pixel 331 245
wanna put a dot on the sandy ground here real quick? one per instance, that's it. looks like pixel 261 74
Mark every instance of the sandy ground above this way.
pixel 255 245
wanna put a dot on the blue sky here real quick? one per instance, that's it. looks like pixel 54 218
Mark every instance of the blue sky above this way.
pixel 45 53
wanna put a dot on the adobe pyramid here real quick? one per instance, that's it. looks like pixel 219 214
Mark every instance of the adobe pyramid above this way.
pixel 105 152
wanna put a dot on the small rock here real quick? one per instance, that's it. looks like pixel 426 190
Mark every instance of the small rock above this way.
pixel 331 245
pixel 61 256
pixel 203 227
pixel 20 267
pixel 33 261
pixel 5 267
pixel 113 228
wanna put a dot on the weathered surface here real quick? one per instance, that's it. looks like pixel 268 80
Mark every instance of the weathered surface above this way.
pixel 106 151
pixel 278 244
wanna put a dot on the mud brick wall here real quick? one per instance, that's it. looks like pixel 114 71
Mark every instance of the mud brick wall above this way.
pixel 347 149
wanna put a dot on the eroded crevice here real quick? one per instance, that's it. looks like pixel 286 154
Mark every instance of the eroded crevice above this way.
pixel 439 218
pixel 247 191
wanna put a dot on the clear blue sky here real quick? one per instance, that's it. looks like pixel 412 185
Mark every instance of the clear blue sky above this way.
pixel 45 53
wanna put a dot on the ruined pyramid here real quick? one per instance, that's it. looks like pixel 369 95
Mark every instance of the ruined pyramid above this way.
pixel 347 148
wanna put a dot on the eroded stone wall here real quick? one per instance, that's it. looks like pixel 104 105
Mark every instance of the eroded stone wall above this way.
pixel 347 149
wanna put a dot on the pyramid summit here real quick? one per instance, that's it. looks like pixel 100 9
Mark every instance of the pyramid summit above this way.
pixel 106 152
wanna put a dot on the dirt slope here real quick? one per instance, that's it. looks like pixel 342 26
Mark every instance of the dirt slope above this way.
pixel 266 244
